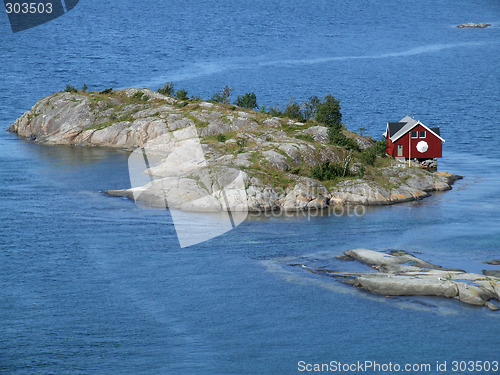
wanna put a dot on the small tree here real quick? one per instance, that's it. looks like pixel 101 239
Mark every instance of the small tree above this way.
pixel 222 96
pixel 311 107
pixel 361 130
pixel 328 112
pixel 84 88
pixel 182 94
pixel 167 89
pixel 70 88
pixel 249 100
pixel 293 110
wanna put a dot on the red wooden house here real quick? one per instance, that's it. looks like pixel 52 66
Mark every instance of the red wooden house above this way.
pixel 410 139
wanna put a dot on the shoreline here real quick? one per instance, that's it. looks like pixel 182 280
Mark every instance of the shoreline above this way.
pixel 273 159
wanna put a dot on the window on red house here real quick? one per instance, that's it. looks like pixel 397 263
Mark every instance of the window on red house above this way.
pixel 414 134
pixel 421 133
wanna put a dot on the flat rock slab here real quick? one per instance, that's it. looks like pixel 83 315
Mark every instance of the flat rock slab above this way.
pixel 494 262
pixel 473 25
pixel 403 274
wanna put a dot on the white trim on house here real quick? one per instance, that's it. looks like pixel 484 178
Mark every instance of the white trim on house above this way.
pixel 408 127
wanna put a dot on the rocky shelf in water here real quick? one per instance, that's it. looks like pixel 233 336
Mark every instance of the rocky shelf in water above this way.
pixel 473 25
pixel 403 274
pixel 272 156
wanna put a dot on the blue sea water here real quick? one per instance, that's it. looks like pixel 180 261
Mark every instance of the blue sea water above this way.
pixel 93 284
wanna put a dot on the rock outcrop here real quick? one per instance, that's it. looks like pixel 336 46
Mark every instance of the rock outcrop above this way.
pixel 474 25
pixel 403 274
pixel 272 157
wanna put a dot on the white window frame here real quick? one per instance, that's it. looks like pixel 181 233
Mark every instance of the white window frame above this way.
pixel 425 134
pixel 416 133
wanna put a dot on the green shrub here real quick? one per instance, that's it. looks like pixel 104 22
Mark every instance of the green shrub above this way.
pixel 275 112
pixel 249 100
pixel 181 104
pixel 380 147
pixel 70 88
pixel 84 88
pixel 139 95
pixel 368 156
pixel 106 91
pixel 167 89
pixel 293 110
pixel 329 171
pixel 361 171
pixel 305 137
pixel 221 138
pixel 182 94
pixel 336 137
pixel 242 142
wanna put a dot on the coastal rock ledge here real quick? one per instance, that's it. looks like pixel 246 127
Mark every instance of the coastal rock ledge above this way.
pixel 402 274
pixel 274 157
pixel 473 25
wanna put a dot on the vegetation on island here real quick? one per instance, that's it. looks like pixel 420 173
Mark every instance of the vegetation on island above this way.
pixel 352 161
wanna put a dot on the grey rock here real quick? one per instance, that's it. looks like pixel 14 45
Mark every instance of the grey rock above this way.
pixel 319 202
pixel 277 160
pixel 403 274
pixel 474 25
pixel 495 273
pixel 297 199
pixel 293 151
pixel 363 142
pixel 319 133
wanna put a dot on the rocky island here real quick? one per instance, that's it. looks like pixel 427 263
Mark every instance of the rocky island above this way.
pixel 284 163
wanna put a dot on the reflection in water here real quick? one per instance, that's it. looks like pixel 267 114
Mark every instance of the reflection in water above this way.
pixel 64 156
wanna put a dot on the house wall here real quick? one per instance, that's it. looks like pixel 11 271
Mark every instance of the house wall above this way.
pixel 390 148
pixel 435 145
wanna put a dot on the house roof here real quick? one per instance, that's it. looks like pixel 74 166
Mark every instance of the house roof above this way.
pixel 396 130
pixel 436 130
pixel 394 127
